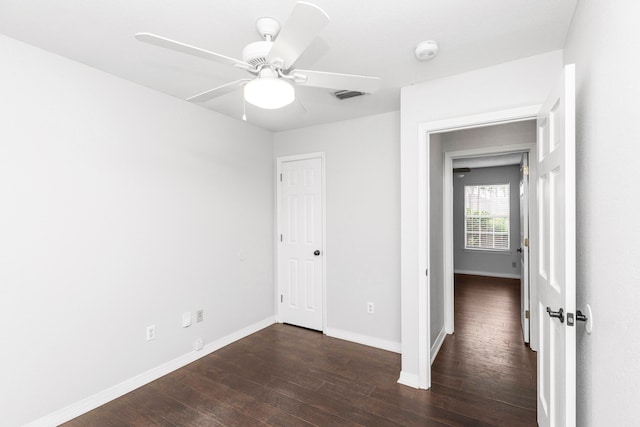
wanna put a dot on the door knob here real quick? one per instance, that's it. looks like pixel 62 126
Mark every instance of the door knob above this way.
pixel 581 317
pixel 316 252
pixel 519 249
pixel 557 314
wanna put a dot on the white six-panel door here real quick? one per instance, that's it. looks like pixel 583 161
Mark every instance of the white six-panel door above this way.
pixel 300 246
pixel 556 266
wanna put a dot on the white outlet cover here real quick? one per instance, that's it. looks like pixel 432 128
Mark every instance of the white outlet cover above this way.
pixel 151 332
pixel 186 319
pixel 198 345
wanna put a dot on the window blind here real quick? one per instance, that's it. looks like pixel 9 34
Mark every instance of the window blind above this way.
pixel 487 222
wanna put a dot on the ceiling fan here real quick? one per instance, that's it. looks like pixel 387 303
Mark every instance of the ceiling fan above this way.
pixel 272 60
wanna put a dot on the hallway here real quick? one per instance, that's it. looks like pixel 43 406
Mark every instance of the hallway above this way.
pixel 485 365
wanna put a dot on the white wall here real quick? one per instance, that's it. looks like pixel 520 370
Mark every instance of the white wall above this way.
pixel 500 264
pixel 121 207
pixel 513 84
pixel 363 220
pixel 603 43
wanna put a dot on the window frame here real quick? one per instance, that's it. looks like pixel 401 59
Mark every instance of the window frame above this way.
pixel 492 216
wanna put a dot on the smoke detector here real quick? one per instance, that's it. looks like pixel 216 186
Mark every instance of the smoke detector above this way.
pixel 426 50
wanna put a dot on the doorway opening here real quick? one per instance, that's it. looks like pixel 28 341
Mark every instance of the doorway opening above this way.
pixel 486 199
pixel 435 320
pixel 488 194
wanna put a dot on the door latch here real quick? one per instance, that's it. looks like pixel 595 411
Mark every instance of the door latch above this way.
pixel 570 320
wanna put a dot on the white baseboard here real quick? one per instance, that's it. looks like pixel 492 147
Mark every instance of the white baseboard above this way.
pixel 98 399
pixel 435 348
pixel 410 380
pixel 364 339
pixel 488 274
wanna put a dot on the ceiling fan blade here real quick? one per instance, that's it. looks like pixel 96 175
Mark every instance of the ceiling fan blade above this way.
pixel 302 27
pixel 336 81
pixel 218 91
pixel 189 50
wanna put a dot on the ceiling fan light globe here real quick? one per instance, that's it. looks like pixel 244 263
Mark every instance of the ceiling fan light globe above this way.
pixel 269 93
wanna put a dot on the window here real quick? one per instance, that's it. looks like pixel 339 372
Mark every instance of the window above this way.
pixel 486 224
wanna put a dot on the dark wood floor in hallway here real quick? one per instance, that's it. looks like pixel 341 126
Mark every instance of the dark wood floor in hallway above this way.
pixel 486 364
pixel 287 376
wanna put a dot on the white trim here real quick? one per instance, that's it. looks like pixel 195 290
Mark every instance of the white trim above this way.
pixel 479 120
pixel 424 131
pixel 424 280
pixel 279 161
pixel 435 348
pixel 85 405
pixel 364 339
pixel 410 380
pixel 488 251
pixel 449 156
pixel 488 274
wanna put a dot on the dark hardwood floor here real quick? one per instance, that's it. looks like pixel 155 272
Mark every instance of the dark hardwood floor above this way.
pixel 485 364
pixel 288 376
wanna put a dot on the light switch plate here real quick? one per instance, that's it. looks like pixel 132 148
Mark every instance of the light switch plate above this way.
pixel 186 319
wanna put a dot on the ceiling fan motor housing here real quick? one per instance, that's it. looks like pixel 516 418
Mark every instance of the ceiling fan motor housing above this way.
pixel 256 53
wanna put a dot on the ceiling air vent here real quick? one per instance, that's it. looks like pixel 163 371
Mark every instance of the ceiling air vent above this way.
pixel 345 94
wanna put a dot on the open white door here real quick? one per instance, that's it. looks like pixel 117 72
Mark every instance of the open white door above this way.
pixel 556 273
pixel 524 246
pixel 300 249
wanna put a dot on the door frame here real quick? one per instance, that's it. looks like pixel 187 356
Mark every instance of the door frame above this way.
pixel 525 245
pixel 425 129
pixel 448 247
pixel 278 230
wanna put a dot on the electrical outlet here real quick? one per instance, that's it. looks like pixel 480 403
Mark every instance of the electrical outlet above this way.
pixel 370 308
pixel 198 344
pixel 186 319
pixel 151 332
pixel 199 316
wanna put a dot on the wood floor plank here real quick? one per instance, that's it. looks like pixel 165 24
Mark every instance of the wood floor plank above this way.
pixel 287 376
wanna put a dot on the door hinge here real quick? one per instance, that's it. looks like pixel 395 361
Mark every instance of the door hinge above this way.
pixel 426 272
pixel 281 237
pixel 526 242
pixel 526 314
pixel 280 177
pixel 525 171
pixel 281 298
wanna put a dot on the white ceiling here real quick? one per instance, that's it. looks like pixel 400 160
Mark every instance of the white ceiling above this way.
pixel 369 37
